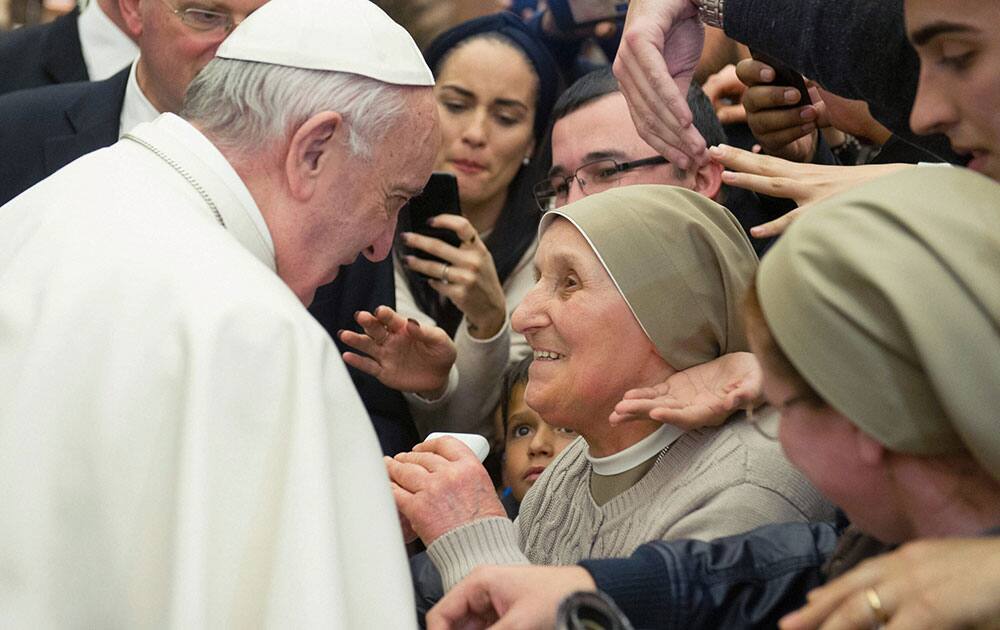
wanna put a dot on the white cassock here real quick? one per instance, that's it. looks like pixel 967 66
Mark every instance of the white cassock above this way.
pixel 180 443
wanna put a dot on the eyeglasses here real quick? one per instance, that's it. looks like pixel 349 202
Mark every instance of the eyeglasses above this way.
pixel 204 20
pixel 593 177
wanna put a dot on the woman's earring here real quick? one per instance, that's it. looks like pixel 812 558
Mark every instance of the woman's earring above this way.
pixel 526 161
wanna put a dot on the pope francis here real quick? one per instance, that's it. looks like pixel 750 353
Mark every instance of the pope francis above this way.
pixel 181 444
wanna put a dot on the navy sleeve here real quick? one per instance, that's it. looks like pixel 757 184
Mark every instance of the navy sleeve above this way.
pixel 855 48
pixel 748 580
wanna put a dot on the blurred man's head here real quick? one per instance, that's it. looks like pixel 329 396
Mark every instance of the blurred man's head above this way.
pixel 177 38
pixel 959 90
pixel 331 141
pixel 594 137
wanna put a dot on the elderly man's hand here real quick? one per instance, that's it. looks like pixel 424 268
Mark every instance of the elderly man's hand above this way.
pixel 661 46
pixel 440 486
pixel 513 598
pixel 782 126
pixel 803 183
pixel 941 584
pixel 402 354
pixel 700 396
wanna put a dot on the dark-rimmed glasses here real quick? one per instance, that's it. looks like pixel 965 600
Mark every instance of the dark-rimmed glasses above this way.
pixel 593 177
pixel 204 20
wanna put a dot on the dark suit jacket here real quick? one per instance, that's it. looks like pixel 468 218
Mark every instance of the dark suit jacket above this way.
pixel 47 128
pixel 42 54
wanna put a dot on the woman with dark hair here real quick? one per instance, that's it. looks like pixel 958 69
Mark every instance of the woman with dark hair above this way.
pixel 496 85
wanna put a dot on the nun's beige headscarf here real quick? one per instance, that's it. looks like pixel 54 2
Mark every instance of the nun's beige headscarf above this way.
pixel 680 260
pixel 887 301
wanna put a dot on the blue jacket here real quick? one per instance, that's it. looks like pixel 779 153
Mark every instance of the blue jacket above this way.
pixel 745 581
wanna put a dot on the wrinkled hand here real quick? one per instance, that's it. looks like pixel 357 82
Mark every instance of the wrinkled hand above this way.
pixel 929 584
pixel 402 354
pixel 783 131
pixel 661 46
pixel 803 183
pixel 725 90
pixel 700 396
pixel 512 598
pixel 440 485
pixel 469 280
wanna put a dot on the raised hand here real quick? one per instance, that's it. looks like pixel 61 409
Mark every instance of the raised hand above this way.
pixel 468 278
pixel 725 90
pixel 803 183
pixel 661 46
pixel 700 396
pixel 782 126
pixel 402 354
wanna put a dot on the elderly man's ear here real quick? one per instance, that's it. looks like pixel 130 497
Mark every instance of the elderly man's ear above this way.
pixel 316 146
pixel 132 17
pixel 708 179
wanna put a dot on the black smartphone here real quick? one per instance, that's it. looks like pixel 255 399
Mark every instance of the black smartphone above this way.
pixel 785 75
pixel 573 14
pixel 440 196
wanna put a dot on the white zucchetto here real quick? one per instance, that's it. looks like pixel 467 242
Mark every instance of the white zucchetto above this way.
pixel 352 36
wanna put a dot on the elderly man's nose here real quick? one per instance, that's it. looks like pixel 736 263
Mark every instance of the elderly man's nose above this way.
pixel 379 248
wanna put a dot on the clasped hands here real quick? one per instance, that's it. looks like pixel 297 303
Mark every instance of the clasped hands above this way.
pixel 439 486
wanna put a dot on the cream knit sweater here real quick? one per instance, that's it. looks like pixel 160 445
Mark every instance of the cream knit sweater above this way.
pixel 709 483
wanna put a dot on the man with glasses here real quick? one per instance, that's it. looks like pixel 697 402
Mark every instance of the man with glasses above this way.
pixel 595 146
pixel 46 128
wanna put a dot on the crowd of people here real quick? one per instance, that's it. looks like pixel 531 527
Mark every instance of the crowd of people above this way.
pixel 719 290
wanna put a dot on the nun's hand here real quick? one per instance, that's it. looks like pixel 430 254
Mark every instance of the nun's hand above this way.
pixel 701 396
pixel 440 486
pixel 468 278
pixel 402 354
pixel 943 584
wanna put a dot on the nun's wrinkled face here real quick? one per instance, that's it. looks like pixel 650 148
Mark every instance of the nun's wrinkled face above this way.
pixel 844 464
pixel 588 347
pixel 959 90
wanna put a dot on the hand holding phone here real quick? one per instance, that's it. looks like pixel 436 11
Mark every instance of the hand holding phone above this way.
pixel 785 76
pixel 440 196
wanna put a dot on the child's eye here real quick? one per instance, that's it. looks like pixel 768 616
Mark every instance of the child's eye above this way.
pixel 521 430
pixel 566 431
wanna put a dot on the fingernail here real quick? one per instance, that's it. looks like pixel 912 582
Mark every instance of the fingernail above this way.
pixel 808 127
pixel 792 96
pixel 716 150
pixel 356 313
pixel 728 176
pixel 808 113
pixel 413 321
pixel 767 74
pixel 756 230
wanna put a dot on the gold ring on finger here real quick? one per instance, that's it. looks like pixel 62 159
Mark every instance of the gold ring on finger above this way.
pixel 875 604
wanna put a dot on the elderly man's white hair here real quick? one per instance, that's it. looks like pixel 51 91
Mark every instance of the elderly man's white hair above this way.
pixel 246 105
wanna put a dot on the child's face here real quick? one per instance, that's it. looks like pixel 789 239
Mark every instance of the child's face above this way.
pixel 531 444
